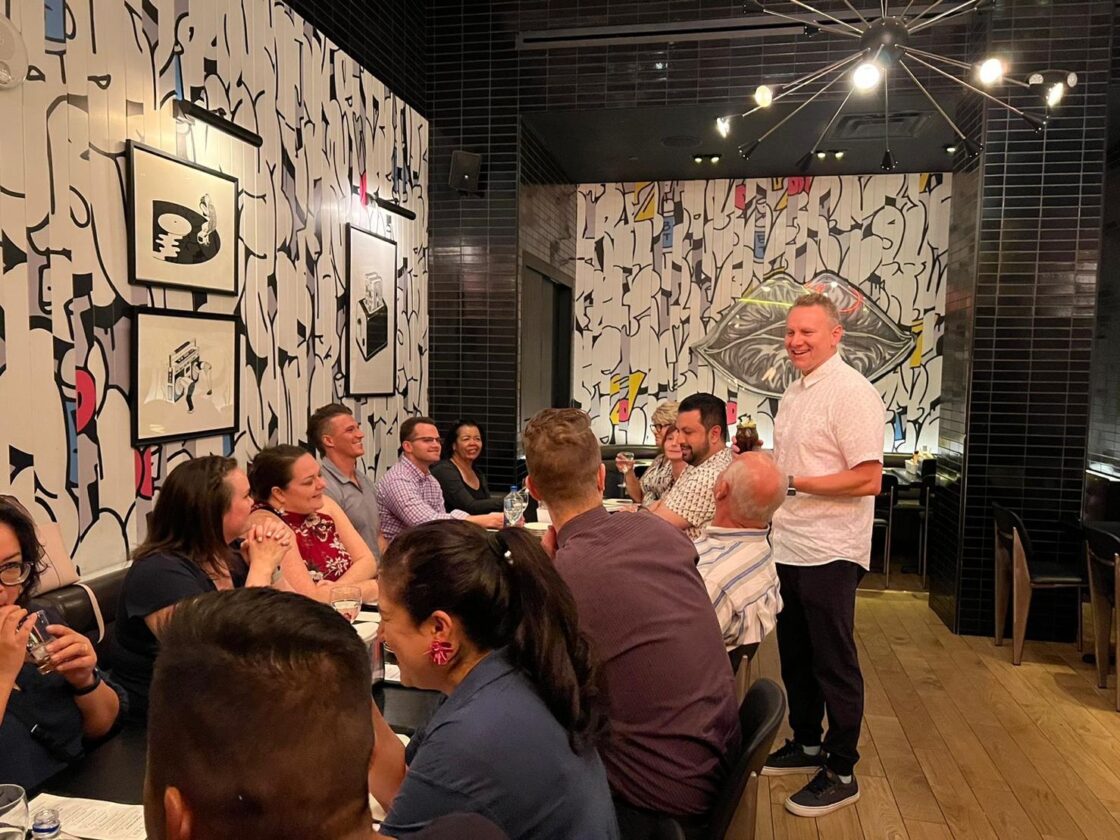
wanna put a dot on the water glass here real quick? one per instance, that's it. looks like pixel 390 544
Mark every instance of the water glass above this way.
pixel 38 640
pixel 627 462
pixel 347 600
pixel 14 819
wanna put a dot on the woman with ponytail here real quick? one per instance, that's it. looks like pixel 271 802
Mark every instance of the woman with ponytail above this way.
pixel 484 618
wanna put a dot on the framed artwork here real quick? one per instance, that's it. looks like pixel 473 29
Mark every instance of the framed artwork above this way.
pixel 371 313
pixel 185 368
pixel 182 223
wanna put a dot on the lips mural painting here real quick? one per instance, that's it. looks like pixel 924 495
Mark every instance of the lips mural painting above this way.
pixel 106 72
pixel 685 286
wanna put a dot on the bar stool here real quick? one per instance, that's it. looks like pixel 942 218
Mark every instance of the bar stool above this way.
pixel 1102 554
pixel 884 518
pixel 922 508
pixel 1019 573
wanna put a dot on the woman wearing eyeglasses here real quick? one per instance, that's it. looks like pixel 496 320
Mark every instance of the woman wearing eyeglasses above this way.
pixel 45 719
pixel 666 468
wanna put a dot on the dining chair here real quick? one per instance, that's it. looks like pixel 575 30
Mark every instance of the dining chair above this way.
pixel 1102 554
pixel 884 519
pixel 1019 572
pixel 921 506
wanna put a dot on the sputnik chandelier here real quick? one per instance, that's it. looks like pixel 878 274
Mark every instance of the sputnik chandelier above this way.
pixel 885 49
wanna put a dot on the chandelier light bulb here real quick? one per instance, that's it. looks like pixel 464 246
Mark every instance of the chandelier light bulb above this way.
pixel 867 76
pixel 723 126
pixel 991 71
pixel 1054 94
pixel 763 96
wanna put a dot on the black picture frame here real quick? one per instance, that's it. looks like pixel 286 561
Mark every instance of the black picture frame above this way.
pixel 201 253
pixel 174 354
pixel 371 313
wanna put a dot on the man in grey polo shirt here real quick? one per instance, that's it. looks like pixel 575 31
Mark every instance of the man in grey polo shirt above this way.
pixel 337 437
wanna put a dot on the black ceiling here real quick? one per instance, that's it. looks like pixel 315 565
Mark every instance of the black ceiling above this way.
pixel 660 143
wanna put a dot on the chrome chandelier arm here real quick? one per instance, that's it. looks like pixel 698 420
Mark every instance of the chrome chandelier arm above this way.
pixel 961 64
pixel 808 79
pixel 794 112
pixel 1028 117
pixel 956 10
pixel 829 29
pixel 819 13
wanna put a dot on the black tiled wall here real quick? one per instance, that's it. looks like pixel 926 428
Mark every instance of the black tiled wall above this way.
pixel 389 38
pixel 1030 305
pixel 1104 421
pixel 546 207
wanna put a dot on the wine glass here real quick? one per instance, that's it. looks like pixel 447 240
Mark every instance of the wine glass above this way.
pixel 625 464
pixel 14 819
pixel 347 600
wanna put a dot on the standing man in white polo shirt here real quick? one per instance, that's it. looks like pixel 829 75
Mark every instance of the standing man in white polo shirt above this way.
pixel 828 438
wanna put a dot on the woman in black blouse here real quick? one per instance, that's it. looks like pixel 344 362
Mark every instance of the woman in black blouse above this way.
pixel 464 488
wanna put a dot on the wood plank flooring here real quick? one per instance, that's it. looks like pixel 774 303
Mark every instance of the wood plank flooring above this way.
pixel 959 743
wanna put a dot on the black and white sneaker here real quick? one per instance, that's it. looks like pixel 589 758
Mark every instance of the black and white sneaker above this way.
pixel 792 758
pixel 824 794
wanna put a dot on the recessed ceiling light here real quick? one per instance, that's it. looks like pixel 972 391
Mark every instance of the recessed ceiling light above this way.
pixel 713 159
pixel 697 159
pixel 838 154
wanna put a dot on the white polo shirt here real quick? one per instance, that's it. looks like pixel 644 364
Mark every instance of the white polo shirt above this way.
pixel 828 422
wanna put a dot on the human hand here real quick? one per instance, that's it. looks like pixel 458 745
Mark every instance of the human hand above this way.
pixel 72 655
pixel 494 520
pixel 624 462
pixel 13 641
pixel 265 545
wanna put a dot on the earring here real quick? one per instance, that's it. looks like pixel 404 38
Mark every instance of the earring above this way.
pixel 439 652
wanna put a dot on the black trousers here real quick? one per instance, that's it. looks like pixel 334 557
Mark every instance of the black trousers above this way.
pixel 820 667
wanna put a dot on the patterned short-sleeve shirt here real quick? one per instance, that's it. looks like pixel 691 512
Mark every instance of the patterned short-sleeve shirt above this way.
pixel 657 480
pixel 691 497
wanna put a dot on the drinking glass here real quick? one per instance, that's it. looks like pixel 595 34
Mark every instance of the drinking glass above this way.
pixel 38 640
pixel 627 464
pixel 347 600
pixel 14 819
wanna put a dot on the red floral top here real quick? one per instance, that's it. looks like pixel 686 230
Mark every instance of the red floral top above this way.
pixel 319 545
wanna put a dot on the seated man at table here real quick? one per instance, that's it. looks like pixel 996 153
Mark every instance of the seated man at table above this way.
pixel 337 437
pixel 260 725
pixel 702 431
pixel 408 494
pixel 734 551
pixel 642 604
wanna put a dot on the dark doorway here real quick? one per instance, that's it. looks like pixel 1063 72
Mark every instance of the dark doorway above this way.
pixel 546 342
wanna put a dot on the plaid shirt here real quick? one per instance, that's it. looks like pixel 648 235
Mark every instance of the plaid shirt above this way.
pixel 407 496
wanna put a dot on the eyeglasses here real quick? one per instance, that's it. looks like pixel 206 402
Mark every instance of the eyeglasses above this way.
pixel 13 574
pixel 423 440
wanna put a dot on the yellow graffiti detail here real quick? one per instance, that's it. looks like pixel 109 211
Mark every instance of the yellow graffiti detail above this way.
pixel 634 384
pixel 923 182
pixel 918 329
pixel 777 183
pixel 782 202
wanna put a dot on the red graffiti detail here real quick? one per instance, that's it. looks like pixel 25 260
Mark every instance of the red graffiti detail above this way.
pixel 732 413
pixel 623 410
pixel 362 191
pixel 87 397
pixel 740 196
pixel 799 184
pixel 144 484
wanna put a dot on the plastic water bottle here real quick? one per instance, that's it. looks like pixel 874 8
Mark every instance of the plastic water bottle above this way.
pixel 514 505
pixel 46 825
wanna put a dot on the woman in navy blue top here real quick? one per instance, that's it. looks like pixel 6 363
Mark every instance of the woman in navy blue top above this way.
pixel 485 619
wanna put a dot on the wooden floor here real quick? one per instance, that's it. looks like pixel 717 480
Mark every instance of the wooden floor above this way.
pixel 959 743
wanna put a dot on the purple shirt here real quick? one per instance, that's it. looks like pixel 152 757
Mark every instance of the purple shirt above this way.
pixel 407 496
pixel 643 605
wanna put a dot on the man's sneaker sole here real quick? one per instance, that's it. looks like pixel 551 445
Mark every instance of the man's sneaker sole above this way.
pixel 808 769
pixel 820 810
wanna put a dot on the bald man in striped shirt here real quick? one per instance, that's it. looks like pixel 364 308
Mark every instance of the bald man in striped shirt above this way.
pixel 735 559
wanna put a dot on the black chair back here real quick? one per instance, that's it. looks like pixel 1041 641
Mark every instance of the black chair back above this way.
pixel 888 491
pixel 1103 549
pixel 760 715
pixel 1007 522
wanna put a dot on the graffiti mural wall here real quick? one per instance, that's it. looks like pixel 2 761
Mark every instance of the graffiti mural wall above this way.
pixel 683 286
pixel 106 72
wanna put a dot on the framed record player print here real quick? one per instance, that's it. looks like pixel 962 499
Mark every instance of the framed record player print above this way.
pixel 371 313
pixel 182 223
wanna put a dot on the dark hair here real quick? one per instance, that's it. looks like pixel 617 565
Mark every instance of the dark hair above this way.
pixel 453 434
pixel 16 516
pixel 272 467
pixel 255 678
pixel 713 412
pixel 188 514
pixel 409 426
pixel 517 600
pixel 319 422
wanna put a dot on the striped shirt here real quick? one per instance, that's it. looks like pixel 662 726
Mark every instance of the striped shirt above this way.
pixel 407 496
pixel 742 581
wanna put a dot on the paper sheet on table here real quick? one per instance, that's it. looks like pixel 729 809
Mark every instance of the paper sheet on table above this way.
pixel 93 819
pixel 392 673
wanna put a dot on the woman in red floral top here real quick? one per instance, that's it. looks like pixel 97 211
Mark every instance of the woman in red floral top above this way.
pixel 285 481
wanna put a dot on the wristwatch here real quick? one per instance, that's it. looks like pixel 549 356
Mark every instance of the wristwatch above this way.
pixel 790 489
pixel 89 689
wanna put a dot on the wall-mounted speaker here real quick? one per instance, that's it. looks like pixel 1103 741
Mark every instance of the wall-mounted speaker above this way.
pixel 465 167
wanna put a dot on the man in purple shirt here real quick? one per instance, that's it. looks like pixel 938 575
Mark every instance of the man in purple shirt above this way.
pixel 408 494
pixel 645 609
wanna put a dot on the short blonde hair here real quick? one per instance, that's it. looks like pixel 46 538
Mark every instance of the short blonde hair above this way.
pixel 562 454
pixel 665 414
pixel 817 299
